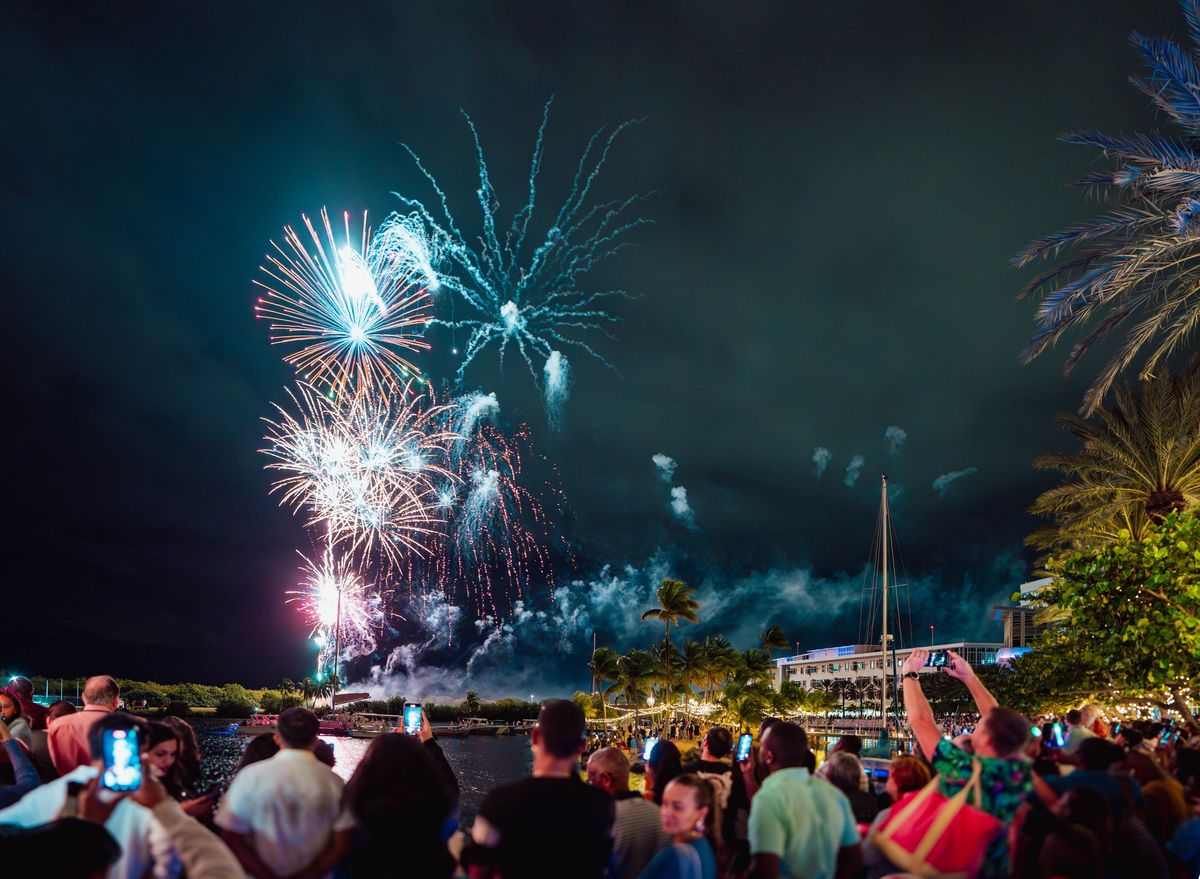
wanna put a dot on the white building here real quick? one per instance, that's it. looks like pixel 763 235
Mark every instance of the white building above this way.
pixel 863 665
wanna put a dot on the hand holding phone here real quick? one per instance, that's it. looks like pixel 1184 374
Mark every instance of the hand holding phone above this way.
pixel 744 746
pixel 412 718
pixel 938 659
pixel 650 743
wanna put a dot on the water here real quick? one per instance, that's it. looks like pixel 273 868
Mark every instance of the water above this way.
pixel 480 762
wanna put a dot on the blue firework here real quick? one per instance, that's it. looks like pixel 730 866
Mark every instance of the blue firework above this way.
pixel 528 295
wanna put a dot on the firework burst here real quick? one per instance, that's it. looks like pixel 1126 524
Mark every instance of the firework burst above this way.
pixel 368 468
pixel 352 312
pixel 529 297
pixel 341 608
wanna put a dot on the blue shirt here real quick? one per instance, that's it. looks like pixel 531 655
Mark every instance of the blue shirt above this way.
pixel 669 863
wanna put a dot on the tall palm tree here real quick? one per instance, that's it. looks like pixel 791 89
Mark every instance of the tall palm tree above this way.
pixel 693 666
pixel 774 639
pixel 754 665
pixel 605 666
pixel 722 662
pixel 1139 461
pixel 1138 260
pixel 676 601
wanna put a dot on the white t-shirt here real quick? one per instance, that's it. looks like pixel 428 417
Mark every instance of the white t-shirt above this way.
pixel 288 807
pixel 142 839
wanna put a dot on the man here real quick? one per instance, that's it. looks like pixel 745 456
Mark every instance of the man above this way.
pixel 68 737
pixel 34 712
pixel 799 825
pixel 1076 732
pixel 142 840
pixel 283 816
pixel 551 825
pixel 637 830
pixel 997 742
pixel 1097 757
pixel 717 744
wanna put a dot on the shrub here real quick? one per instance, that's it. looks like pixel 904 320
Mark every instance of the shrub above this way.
pixel 234 708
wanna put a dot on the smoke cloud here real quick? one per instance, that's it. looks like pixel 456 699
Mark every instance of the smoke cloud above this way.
pixel 895 437
pixel 680 506
pixel 942 483
pixel 854 470
pixel 666 465
pixel 821 458
pixel 557 375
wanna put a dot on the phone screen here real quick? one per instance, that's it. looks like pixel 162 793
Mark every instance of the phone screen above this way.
pixel 650 743
pixel 1058 735
pixel 745 743
pixel 122 760
pixel 412 718
pixel 938 659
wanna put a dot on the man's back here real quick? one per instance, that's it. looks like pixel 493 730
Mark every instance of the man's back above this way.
pixel 287 807
pixel 637 835
pixel 67 738
pixel 804 821
pixel 549 827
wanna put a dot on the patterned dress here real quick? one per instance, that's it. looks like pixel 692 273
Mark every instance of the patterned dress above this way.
pixel 1004 784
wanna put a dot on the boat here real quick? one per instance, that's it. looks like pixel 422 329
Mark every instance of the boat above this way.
pixel 480 726
pixel 257 725
pixel 450 732
pixel 370 726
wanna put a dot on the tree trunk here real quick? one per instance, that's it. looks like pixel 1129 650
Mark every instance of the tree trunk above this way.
pixel 1180 705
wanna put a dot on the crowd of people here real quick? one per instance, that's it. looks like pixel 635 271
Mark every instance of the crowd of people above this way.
pixel 1009 797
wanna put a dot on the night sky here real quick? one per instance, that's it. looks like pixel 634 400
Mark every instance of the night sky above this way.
pixel 840 187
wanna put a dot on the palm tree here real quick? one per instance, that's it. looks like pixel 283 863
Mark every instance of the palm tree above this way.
pixel 605 666
pixel 722 661
pixel 754 665
pixel 693 666
pixel 636 671
pixel 676 601
pixel 1140 460
pixel 744 705
pixel 774 639
pixel 1138 260
pixel 471 703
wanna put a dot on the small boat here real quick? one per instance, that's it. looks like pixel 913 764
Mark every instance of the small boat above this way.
pixel 369 726
pixel 231 730
pixel 247 730
pixel 450 732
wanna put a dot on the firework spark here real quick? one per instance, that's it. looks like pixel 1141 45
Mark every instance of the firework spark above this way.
pixel 353 310
pixel 528 297
pixel 342 610
pixel 367 468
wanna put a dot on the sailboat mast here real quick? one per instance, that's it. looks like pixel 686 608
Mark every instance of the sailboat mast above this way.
pixel 883 522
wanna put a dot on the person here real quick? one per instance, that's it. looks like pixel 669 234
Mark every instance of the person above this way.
pixel 714 750
pixel 1077 732
pixel 57 710
pixel 283 816
pixel 997 741
pixel 799 825
pixel 68 734
pixel 187 765
pixel 143 844
pixel 12 715
pixel 1097 757
pixel 664 765
pixel 400 802
pixel 199 852
pixel 638 833
pixel 844 772
pixel 906 776
pixel 1092 718
pixel 24 772
pixel 691 815
pixel 549 825
pixel 1071 852
pixel 65 847
pixel 261 747
pixel 33 712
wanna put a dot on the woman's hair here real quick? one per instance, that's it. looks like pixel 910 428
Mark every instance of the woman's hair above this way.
pixel 157 733
pixel 397 775
pixel 843 771
pixel 261 747
pixel 910 773
pixel 667 766
pixel 189 746
pixel 706 796
pixel 16 701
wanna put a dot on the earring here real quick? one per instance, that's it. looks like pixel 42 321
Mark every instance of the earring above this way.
pixel 699 826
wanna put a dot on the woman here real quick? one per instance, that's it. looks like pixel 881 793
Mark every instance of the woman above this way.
pixel 11 714
pixel 906 776
pixel 664 765
pixel 162 750
pixel 25 773
pixel 692 818
pixel 400 804
pixel 187 765
pixel 261 747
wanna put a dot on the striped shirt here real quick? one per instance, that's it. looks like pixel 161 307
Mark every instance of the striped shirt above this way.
pixel 637 835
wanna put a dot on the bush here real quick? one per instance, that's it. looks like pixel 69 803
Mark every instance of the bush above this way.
pixel 234 708
pixel 177 709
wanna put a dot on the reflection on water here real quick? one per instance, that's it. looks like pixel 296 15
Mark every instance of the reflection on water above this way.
pixel 480 762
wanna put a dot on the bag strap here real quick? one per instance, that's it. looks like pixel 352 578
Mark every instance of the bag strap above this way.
pixel 946 814
pixel 898 820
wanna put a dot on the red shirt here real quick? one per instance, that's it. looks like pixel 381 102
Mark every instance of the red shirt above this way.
pixel 68 738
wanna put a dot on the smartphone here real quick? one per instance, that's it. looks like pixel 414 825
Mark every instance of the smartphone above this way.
pixel 412 718
pixel 1058 735
pixel 1036 732
pixel 745 742
pixel 122 760
pixel 938 659
pixel 650 743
